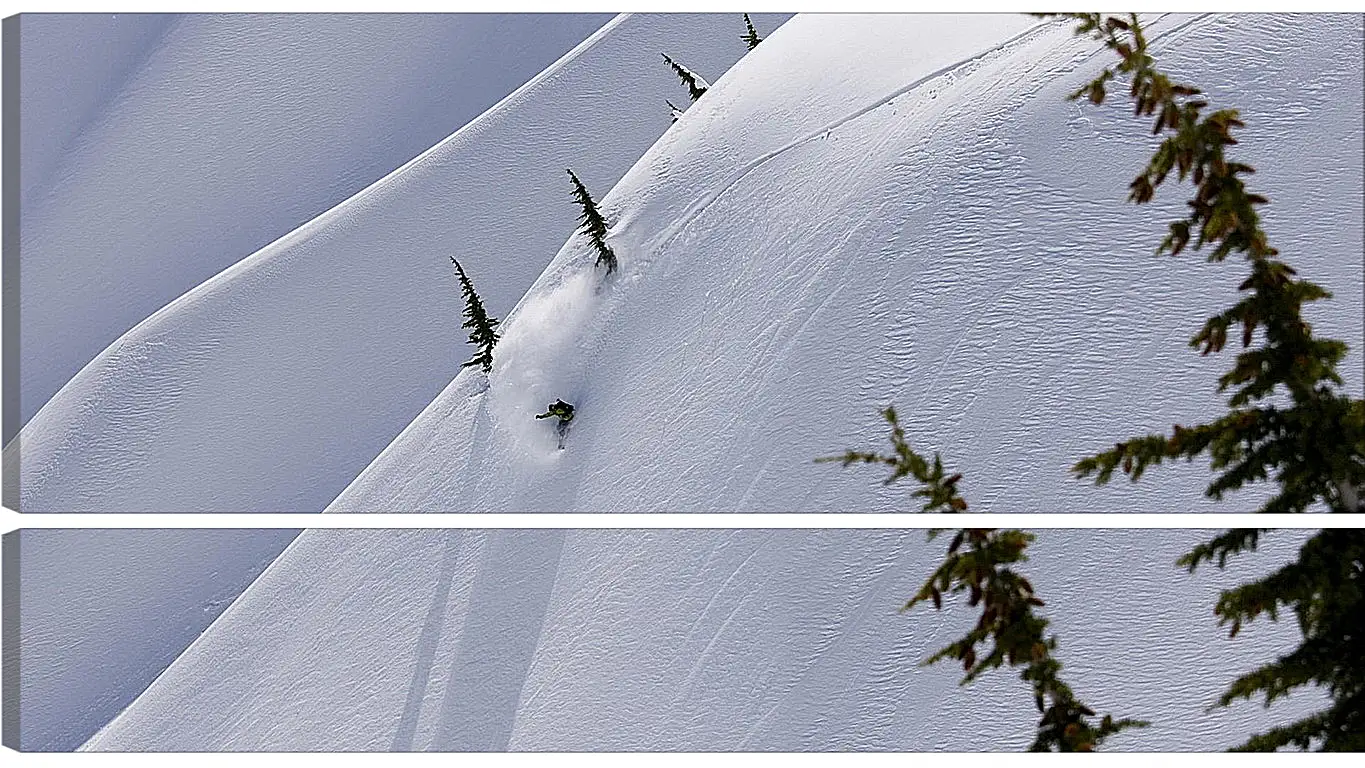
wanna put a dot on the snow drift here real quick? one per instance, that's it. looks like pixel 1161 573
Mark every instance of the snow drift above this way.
pixel 687 640
pixel 101 613
pixel 865 210
pixel 906 210
pixel 158 150
pixel 270 386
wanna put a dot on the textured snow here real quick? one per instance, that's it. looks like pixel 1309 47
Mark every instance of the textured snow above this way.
pixel 270 386
pixel 906 210
pixel 158 150
pixel 687 640
pixel 866 210
pixel 102 612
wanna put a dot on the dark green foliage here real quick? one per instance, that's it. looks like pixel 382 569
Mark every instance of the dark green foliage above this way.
pixel 1312 445
pixel 696 86
pixel 1325 590
pixel 750 37
pixel 593 225
pixel 481 327
pixel 940 493
pixel 979 563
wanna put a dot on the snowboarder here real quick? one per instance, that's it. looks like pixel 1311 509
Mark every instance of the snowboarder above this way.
pixel 565 413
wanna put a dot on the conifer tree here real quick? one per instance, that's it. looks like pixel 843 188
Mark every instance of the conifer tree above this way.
pixel 593 224
pixel 1314 445
pixel 980 562
pixel 696 86
pixel 673 110
pixel 481 327
pixel 751 36
pixel 1287 417
pixel 1310 441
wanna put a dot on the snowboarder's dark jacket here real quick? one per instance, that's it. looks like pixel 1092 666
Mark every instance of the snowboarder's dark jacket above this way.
pixel 558 408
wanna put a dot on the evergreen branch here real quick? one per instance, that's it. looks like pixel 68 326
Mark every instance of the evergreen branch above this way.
pixel 1222 547
pixel 1010 632
pixel 1223 216
pixel 1300 734
pixel 978 563
pixel 940 491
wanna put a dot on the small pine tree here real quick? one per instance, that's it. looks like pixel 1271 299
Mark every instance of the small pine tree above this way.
pixel 480 325
pixel 673 110
pixel 696 86
pixel 593 224
pixel 750 37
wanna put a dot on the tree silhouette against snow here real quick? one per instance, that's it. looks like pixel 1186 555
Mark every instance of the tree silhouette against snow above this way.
pixel 1007 600
pixel 750 37
pixel 696 85
pixel 1311 439
pixel 1311 442
pixel 593 224
pixel 673 110
pixel 481 327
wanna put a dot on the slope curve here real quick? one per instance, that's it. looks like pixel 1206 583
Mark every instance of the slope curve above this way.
pixel 691 640
pixel 101 613
pixel 158 150
pixel 270 386
pixel 874 210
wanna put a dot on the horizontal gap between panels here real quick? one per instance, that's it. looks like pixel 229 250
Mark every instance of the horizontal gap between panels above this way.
pixel 14 521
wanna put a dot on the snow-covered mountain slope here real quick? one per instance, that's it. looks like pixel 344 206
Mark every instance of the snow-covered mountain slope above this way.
pixel 688 640
pixel 270 386
pixel 101 613
pixel 873 210
pixel 158 150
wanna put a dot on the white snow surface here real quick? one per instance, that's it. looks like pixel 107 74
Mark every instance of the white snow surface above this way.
pixel 873 210
pixel 866 210
pixel 690 640
pixel 102 612
pixel 157 150
pixel 270 386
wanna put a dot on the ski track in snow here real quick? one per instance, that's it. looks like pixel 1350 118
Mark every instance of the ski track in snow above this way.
pixel 680 410
pixel 665 640
pixel 320 348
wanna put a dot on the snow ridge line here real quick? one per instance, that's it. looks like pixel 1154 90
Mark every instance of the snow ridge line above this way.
pixel 699 207
pixel 264 255
pixel 596 321
pixel 701 204
pixel 87 746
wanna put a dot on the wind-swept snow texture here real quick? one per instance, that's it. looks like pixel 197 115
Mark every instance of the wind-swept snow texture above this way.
pixel 689 640
pixel 157 150
pixel 102 612
pixel 874 210
pixel 270 386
